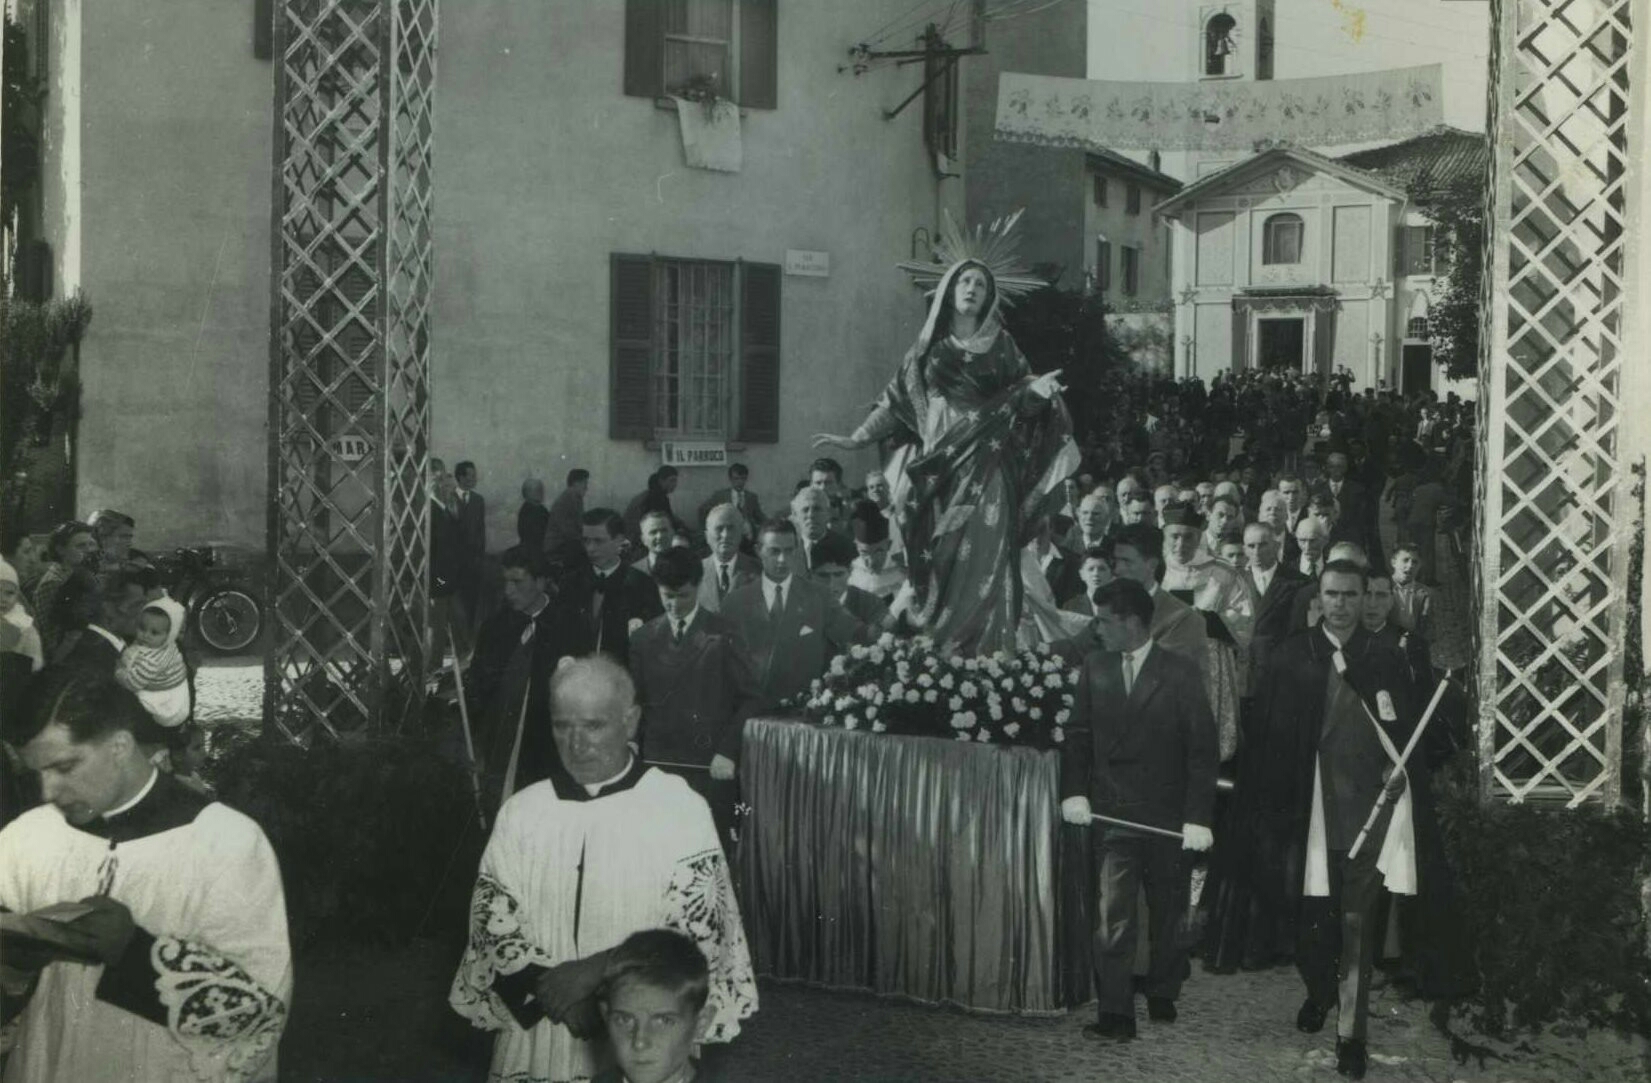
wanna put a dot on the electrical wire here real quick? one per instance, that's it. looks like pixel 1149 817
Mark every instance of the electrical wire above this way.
pixel 1015 11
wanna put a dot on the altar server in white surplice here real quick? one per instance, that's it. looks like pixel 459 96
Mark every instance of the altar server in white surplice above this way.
pixel 145 932
pixel 605 847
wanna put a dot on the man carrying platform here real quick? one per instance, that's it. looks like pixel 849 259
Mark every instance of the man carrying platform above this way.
pixel 1140 750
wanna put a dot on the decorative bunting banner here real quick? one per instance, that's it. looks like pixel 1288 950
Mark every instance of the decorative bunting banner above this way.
pixel 1325 111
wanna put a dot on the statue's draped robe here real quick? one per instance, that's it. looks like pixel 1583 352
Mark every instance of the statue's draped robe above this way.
pixel 978 453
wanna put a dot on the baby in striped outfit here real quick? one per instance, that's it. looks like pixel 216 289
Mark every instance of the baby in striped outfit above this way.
pixel 153 666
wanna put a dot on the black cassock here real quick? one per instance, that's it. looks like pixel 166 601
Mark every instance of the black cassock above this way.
pixel 1253 896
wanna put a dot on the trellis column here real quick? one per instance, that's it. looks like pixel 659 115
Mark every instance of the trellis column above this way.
pixel 1555 507
pixel 349 354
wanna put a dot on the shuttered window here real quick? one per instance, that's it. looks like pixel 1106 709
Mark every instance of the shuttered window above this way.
pixel 729 47
pixel 1131 257
pixel 1416 251
pixel 695 349
pixel 1103 266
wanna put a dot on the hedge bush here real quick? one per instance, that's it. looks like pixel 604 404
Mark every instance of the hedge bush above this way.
pixel 1553 904
pixel 377 839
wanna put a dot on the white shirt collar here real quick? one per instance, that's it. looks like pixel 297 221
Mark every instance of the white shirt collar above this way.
pixel 593 788
pixel 118 643
pixel 769 587
pixel 1263 579
pixel 1137 657
pixel 610 569
pixel 1331 636
pixel 687 622
pixel 141 794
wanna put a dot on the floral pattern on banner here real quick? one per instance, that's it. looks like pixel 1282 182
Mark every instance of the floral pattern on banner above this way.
pixel 1325 111
pixel 908 686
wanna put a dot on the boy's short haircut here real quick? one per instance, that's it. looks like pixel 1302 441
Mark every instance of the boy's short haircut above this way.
pixel 676 568
pixel 660 959
pixel 1408 547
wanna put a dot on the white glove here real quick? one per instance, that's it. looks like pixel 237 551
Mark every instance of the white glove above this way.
pixel 722 768
pixel 1075 810
pixel 1196 837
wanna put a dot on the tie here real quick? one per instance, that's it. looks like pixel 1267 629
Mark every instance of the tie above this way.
pixel 1129 674
pixel 739 499
pixel 778 606
pixel 722 580
pixel 681 629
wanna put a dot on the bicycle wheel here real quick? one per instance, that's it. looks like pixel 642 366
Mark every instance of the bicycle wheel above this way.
pixel 229 621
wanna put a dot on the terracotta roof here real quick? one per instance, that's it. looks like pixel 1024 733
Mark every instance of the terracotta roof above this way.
pixel 1431 162
pixel 1108 161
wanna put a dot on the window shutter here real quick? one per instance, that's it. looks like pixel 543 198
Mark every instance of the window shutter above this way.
pixel 759 54
pixel 1241 339
pixel 759 353
pixel 644 48
pixel 263 29
pixel 630 370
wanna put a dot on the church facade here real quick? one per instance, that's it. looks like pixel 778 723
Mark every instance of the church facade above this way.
pixel 1292 260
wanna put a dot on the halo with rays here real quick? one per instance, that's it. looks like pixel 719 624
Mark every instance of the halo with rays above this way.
pixel 992 245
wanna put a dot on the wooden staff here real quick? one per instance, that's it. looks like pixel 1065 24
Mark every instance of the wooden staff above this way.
pixel 1410 746
pixel 1097 818
pixel 469 742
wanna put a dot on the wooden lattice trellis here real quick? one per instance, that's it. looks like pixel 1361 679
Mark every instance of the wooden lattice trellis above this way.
pixel 350 404
pixel 1553 487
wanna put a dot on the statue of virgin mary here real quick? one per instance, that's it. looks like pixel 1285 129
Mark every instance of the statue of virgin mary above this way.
pixel 979 443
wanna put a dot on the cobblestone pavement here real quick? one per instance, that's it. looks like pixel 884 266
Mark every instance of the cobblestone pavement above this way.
pixel 383 1016
pixel 230 690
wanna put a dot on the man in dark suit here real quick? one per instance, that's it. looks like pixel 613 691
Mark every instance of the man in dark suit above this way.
pixel 657 537
pixel 564 543
pixel 1276 587
pixel 533 518
pixel 811 514
pixel 611 597
pixel 1140 746
pixel 696 686
pixel 1058 564
pixel 728 566
pixel 833 562
pixel 517 649
pixel 790 627
pixel 739 497
pixel 1354 513
pixel 109 604
pixel 471 512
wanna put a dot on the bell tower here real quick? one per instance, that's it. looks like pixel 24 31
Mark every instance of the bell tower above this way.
pixel 1231 41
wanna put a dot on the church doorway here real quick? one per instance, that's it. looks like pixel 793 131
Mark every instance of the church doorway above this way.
pixel 1281 343
pixel 1416 372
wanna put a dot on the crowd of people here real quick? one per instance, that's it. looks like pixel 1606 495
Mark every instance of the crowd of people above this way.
pixel 1256 530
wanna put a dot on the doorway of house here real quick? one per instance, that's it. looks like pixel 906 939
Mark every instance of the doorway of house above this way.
pixel 1282 343
pixel 1416 367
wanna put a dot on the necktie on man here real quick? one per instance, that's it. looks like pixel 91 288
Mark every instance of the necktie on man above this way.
pixel 723 580
pixel 681 629
pixel 1129 674
pixel 777 606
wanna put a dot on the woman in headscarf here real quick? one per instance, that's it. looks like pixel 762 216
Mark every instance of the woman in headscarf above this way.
pixel 982 442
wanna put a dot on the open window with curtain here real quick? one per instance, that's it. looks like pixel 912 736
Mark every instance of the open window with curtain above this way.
pixel 727 49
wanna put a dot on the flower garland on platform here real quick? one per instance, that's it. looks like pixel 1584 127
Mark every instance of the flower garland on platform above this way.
pixel 911 687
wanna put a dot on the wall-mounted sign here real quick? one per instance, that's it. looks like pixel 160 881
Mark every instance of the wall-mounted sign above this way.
pixel 350 449
pixel 692 453
pixel 808 264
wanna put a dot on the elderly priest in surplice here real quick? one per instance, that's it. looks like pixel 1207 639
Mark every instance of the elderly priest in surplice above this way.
pixel 605 847
pixel 1141 747
pixel 145 932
